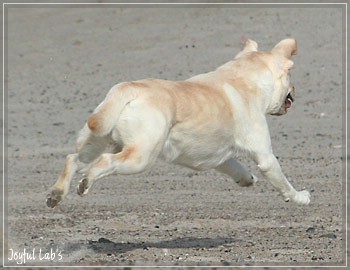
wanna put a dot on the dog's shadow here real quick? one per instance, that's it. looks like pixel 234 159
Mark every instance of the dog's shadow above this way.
pixel 106 246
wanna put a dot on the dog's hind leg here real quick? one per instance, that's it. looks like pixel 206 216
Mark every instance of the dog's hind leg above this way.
pixel 60 189
pixel 131 160
pixel 234 169
pixel 143 130
pixel 89 148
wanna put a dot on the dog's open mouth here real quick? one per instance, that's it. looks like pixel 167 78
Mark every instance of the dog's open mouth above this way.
pixel 289 100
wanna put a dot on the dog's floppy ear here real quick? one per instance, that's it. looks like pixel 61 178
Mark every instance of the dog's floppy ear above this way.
pixel 286 47
pixel 283 66
pixel 248 46
pixel 283 51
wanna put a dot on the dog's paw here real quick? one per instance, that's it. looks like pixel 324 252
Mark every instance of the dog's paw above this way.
pixel 54 198
pixel 301 197
pixel 245 182
pixel 83 187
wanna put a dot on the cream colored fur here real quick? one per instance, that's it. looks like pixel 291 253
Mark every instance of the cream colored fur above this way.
pixel 201 123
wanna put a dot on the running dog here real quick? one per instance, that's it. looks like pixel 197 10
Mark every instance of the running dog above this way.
pixel 201 123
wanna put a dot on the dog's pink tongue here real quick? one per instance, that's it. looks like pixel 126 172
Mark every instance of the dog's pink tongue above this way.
pixel 288 103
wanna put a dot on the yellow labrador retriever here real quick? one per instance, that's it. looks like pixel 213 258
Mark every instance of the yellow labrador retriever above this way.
pixel 199 123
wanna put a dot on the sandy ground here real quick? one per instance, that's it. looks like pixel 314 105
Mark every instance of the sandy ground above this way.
pixel 61 63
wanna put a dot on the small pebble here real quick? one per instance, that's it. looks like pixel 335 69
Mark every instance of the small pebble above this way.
pixel 310 229
pixel 329 235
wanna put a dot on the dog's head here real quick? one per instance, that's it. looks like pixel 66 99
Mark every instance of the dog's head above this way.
pixel 284 94
pixel 271 73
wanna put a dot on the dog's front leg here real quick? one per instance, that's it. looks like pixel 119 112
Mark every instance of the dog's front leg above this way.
pixel 238 173
pixel 271 170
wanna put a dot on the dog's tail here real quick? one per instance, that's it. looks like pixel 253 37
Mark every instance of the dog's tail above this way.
pixel 106 115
